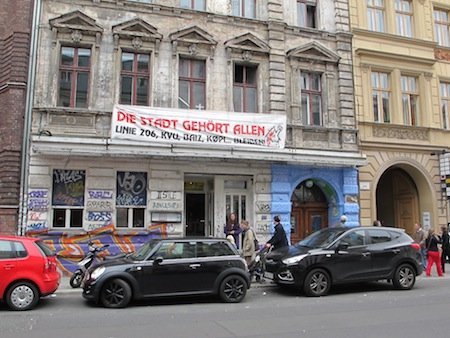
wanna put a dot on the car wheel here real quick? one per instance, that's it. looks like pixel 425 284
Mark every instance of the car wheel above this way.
pixel 22 296
pixel 75 280
pixel 404 277
pixel 116 293
pixel 233 289
pixel 317 283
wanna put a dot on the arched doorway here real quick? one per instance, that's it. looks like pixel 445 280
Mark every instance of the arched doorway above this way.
pixel 397 200
pixel 309 210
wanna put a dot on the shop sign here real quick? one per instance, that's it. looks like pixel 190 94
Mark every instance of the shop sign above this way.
pixel 198 127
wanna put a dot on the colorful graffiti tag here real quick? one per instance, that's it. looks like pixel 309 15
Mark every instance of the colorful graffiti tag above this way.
pixel 71 247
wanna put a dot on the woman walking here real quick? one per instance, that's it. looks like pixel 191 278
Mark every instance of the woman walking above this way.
pixel 433 253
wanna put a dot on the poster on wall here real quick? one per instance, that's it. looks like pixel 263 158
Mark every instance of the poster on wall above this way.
pixel 198 127
pixel 68 187
pixel 37 209
pixel 131 188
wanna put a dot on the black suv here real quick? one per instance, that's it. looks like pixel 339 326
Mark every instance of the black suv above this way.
pixel 170 267
pixel 343 255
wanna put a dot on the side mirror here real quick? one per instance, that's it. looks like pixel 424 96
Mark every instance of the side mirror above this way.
pixel 158 260
pixel 343 246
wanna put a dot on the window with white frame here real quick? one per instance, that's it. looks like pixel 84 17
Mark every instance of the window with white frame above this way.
pixel 244 8
pixel 131 199
pixel 68 198
pixel 442 27
pixel 198 5
pixel 375 14
pixel 74 73
pixel 135 79
pixel 245 88
pixel 404 17
pixel 311 98
pixel 380 97
pixel 306 13
pixel 410 100
pixel 445 104
pixel 192 84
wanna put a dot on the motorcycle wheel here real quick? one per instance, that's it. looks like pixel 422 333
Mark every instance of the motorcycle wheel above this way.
pixel 75 280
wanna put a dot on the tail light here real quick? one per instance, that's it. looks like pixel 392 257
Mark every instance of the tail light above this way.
pixel 50 264
pixel 415 246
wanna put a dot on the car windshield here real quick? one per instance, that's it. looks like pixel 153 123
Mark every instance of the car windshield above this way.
pixel 322 238
pixel 143 251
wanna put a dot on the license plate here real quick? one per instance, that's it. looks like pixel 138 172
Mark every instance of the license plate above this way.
pixel 268 275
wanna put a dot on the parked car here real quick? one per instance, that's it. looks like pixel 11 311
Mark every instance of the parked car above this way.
pixel 342 255
pixel 27 271
pixel 170 267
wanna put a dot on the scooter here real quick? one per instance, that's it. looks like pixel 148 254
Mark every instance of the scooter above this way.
pixel 85 263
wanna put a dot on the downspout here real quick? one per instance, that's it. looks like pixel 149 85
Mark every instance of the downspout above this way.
pixel 25 160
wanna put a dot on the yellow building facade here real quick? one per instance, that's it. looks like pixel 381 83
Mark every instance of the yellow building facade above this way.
pixel 401 52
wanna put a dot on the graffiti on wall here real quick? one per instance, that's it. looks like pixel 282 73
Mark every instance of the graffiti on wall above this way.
pixel 70 248
pixel 99 208
pixel 37 209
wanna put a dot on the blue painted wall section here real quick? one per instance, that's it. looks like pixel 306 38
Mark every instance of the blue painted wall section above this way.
pixel 340 185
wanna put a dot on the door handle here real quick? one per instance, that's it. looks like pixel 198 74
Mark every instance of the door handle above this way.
pixel 136 268
pixel 366 254
pixel 194 266
pixel 396 251
pixel 8 266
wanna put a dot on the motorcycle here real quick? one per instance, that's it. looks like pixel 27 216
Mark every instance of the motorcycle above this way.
pixel 85 263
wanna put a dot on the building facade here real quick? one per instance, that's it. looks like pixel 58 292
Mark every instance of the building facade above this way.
pixel 402 80
pixel 110 158
pixel 15 38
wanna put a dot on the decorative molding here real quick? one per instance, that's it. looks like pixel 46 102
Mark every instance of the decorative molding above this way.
pixel 400 132
pixel 314 51
pixel 246 43
pixel 442 54
pixel 194 41
pixel 138 33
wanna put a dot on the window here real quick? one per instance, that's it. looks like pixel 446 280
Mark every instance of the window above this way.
pixel 379 236
pixel 199 5
pixel 355 238
pixel 442 27
pixel 131 199
pixel 134 79
pixel 445 104
pixel 68 198
pixel 244 88
pixel 311 93
pixel 375 13
pixel 74 71
pixel 6 250
pixel 410 98
pixel 380 97
pixel 176 250
pixel 192 84
pixel 306 13
pixel 244 8
pixel 403 17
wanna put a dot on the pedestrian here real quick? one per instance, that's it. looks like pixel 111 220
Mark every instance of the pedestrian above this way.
pixel 432 242
pixel 248 242
pixel 279 239
pixel 376 223
pixel 445 246
pixel 342 220
pixel 419 237
pixel 233 228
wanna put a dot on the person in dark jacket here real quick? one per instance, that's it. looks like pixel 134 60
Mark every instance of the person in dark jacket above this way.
pixel 279 239
pixel 232 228
pixel 445 246
pixel 432 242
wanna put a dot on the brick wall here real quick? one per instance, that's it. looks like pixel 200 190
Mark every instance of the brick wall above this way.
pixel 16 18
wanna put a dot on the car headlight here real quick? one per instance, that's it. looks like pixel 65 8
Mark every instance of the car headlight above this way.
pixel 97 272
pixel 293 260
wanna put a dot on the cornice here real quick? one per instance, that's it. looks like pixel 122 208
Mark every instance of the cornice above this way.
pixel 396 57
pixel 394 38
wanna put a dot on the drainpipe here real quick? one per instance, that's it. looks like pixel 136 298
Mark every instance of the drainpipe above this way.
pixel 24 171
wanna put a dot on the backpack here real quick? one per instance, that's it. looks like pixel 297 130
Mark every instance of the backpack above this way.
pixel 255 240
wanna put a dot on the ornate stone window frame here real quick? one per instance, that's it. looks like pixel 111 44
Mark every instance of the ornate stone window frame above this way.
pixel 195 43
pixel 136 36
pixel 316 58
pixel 248 49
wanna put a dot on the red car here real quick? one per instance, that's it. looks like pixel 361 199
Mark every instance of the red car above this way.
pixel 27 271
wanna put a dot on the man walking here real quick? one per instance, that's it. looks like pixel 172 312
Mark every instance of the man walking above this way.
pixel 279 239
pixel 420 238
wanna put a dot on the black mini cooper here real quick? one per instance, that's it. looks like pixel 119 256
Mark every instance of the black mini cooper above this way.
pixel 170 267
pixel 344 255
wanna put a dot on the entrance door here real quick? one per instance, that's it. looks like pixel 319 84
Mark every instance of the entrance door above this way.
pixel 195 214
pixel 308 219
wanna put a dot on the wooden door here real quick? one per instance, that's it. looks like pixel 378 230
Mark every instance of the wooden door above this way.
pixel 308 219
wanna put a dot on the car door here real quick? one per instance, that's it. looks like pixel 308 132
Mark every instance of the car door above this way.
pixel 354 262
pixel 384 251
pixel 8 264
pixel 176 273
